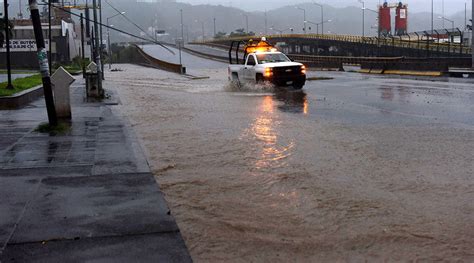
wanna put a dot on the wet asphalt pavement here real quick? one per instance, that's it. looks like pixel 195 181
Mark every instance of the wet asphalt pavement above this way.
pixel 356 168
pixel 83 195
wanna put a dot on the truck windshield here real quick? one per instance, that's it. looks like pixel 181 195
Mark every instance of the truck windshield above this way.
pixel 272 58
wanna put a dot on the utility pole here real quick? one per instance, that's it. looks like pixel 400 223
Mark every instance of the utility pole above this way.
pixel 97 47
pixel 50 53
pixel 43 63
pixel 7 43
pixel 472 42
pixel 83 49
pixel 181 41
pixel 101 37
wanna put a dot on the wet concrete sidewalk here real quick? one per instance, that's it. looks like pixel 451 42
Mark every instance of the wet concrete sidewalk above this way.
pixel 87 195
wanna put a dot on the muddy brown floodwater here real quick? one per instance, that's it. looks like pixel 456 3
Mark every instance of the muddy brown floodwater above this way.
pixel 352 169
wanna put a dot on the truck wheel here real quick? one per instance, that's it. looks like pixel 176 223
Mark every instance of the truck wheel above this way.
pixel 235 80
pixel 298 86
pixel 260 79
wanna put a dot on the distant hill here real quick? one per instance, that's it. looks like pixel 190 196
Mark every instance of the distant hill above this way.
pixel 166 16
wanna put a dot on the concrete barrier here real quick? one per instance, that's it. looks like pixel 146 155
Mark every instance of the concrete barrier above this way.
pixel 135 55
pixel 176 68
pixel 21 99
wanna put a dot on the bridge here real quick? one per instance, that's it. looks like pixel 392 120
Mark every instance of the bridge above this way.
pixel 416 51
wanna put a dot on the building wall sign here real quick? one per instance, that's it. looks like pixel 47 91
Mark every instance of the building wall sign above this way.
pixel 23 45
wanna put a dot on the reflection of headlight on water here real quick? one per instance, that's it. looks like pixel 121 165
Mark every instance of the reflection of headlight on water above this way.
pixel 264 130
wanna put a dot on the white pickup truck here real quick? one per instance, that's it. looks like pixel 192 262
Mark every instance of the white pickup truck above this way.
pixel 263 63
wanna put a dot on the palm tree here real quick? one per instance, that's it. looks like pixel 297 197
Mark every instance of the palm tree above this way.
pixel 2 31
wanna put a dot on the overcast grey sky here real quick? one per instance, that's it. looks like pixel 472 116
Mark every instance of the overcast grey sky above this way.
pixel 451 6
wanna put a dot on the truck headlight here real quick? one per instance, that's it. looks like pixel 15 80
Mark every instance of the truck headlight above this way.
pixel 268 72
pixel 303 69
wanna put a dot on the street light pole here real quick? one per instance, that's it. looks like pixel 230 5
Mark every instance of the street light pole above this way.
pixel 304 17
pixel 246 21
pixel 442 7
pixel 322 17
pixel 108 45
pixel 266 23
pixel 465 16
pixel 378 13
pixel 7 43
pixel 432 16
pixel 472 42
pixel 108 37
pixel 281 31
pixel 215 27
pixel 449 20
pixel 363 17
pixel 203 34
pixel 320 23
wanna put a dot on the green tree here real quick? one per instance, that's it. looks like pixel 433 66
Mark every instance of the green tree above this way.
pixel 241 33
pixel 3 26
pixel 220 35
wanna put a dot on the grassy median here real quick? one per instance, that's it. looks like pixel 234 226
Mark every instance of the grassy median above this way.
pixel 20 84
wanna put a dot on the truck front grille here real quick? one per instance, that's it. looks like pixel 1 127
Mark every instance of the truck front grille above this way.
pixel 287 71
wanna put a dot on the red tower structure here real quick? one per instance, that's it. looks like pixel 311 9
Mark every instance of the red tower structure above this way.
pixel 385 20
pixel 401 20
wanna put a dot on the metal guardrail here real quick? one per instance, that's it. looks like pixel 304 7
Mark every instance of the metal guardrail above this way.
pixel 426 44
pixel 438 64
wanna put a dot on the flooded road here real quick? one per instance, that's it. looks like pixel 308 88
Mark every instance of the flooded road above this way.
pixel 351 169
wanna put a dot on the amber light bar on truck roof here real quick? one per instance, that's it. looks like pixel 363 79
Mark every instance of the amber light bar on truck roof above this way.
pixel 261 46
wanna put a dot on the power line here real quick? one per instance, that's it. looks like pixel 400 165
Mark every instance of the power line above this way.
pixel 126 18
pixel 117 30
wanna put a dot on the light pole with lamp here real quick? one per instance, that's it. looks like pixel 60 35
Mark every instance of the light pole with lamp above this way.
pixel 108 38
pixel 378 18
pixel 452 25
pixel 447 19
pixel 281 30
pixel 432 16
pixel 363 17
pixel 318 24
pixel 322 16
pixel 304 17
pixel 202 28
pixel 215 27
pixel 246 21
